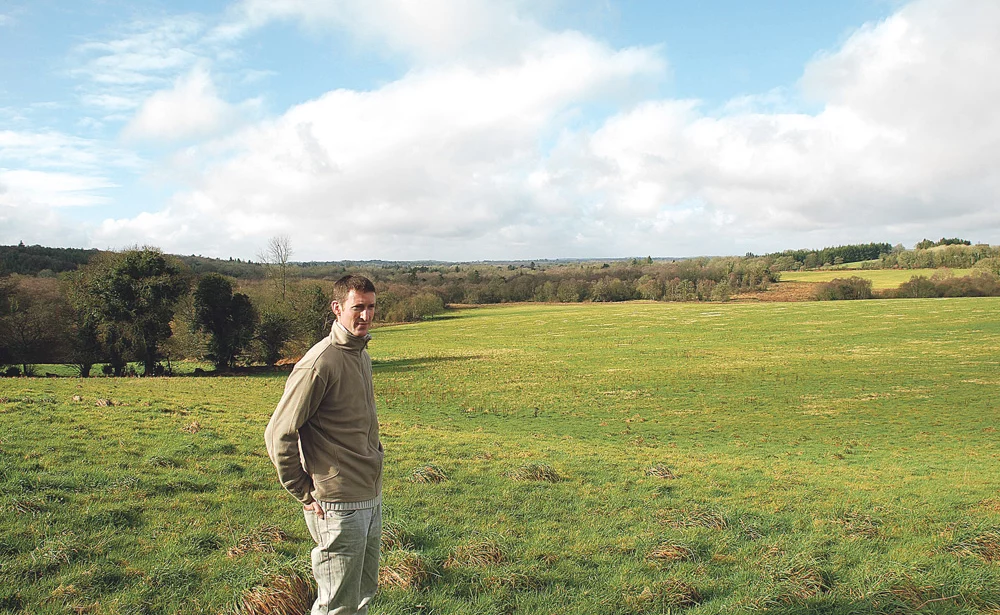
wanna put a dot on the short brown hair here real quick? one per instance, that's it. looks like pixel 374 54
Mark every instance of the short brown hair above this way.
pixel 357 283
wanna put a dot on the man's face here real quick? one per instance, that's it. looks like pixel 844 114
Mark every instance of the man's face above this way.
pixel 356 312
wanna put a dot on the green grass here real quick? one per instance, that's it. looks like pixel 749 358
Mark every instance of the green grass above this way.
pixel 881 278
pixel 835 457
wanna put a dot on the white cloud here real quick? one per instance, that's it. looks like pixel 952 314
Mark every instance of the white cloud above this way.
pixel 424 30
pixel 483 159
pixel 21 188
pixel 910 131
pixel 190 109
pixel 56 150
pixel 441 153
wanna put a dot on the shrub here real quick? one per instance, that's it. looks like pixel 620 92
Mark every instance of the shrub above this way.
pixel 844 289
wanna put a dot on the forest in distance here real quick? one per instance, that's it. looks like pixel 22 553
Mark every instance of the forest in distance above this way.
pixel 90 308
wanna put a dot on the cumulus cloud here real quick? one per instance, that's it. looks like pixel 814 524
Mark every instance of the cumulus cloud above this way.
pixel 441 153
pixel 484 159
pixel 190 109
pixel 909 132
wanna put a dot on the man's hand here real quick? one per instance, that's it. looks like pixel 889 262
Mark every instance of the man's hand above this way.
pixel 315 507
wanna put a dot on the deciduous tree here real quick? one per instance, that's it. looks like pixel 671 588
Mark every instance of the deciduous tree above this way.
pixel 229 318
pixel 132 296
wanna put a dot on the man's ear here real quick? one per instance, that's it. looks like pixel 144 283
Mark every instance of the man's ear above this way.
pixel 335 306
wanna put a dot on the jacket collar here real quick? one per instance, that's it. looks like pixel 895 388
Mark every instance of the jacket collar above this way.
pixel 342 338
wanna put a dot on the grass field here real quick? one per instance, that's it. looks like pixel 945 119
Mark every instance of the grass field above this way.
pixel 824 457
pixel 881 278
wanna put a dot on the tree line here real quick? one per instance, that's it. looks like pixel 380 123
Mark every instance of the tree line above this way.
pixel 140 305
pixel 87 308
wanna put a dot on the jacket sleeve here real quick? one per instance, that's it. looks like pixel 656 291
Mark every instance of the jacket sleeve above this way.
pixel 304 391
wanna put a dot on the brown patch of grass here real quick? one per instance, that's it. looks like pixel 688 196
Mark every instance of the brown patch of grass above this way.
pixel 26 507
pixel 671 552
pixel 990 504
pixel 194 427
pixel 662 596
pixel 477 554
pixel 899 593
pixel 801 583
pixel 261 540
pixel 750 531
pixel 105 403
pixel 428 474
pixel 77 398
pixel 404 570
pixel 661 471
pixel 697 517
pixel 515 581
pixel 278 595
pixel 536 472
pixel 859 525
pixel 394 537
pixel 985 546
pixel 781 291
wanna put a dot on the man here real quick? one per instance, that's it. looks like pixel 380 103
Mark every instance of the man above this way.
pixel 328 413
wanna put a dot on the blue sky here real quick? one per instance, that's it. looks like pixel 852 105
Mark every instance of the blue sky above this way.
pixel 439 129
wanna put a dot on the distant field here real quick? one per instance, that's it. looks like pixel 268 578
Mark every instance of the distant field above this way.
pixel 881 278
pixel 822 457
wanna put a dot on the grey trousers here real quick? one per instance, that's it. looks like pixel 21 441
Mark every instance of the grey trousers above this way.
pixel 345 559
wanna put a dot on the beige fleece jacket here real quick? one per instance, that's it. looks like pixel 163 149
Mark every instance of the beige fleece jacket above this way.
pixel 328 413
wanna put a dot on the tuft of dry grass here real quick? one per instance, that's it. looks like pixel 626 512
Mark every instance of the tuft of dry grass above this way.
pixel 801 583
pixel 671 552
pixel 104 402
pixel 404 570
pixel 260 540
pixel 394 537
pixel 663 596
pixel 25 506
pixel 661 471
pixel 428 474
pixel 515 581
pixel 985 546
pixel 859 525
pixel 536 472
pixel 57 550
pixel 194 427
pixel 477 554
pixel 697 517
pixel 750 531
pixel 277 595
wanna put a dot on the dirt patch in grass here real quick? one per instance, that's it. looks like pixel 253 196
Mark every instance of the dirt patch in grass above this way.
pixel 536 472
pixel 261 540
pixel 477 554
pixel 663 596
pixel 277 595
pixel 405 570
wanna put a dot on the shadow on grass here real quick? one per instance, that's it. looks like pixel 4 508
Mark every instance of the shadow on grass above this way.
pixel 406 365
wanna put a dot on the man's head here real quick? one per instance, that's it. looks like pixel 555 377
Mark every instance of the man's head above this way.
pixel 354 303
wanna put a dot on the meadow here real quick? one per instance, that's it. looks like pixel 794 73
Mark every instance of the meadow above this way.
pixel 882 279
pixel 824 457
